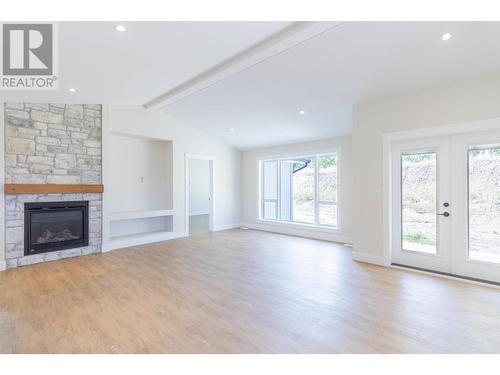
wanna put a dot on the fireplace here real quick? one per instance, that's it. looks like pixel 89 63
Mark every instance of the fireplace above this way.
pixel 53 226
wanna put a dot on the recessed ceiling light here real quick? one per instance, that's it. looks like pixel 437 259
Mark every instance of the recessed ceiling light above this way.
pixel 231 129
pixel 446 36
pixel 72 90
pixel 302 112
pixel 120 28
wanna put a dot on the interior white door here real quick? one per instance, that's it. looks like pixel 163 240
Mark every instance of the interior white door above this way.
pixel 421 204
pixel 476 214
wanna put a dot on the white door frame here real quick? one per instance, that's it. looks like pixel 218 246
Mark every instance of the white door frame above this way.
pixel 389 138
pixel 212 185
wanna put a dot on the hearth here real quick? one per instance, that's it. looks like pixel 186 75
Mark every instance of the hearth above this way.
pixel 53 226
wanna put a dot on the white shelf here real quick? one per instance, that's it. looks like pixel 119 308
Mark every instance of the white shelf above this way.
pixel 129 237
pixel 118 242
pixel 127 215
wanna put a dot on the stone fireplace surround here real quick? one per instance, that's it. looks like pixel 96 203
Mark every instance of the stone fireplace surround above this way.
pixel 51 144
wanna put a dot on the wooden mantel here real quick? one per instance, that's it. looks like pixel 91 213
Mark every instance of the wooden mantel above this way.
pixel 51 188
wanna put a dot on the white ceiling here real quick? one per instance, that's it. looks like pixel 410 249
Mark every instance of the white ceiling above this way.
pixel 109 67
pixel 325 75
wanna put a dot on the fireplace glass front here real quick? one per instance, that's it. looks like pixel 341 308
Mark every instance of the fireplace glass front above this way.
pixel 52 226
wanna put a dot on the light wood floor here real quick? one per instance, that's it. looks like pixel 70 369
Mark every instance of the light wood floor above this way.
pixel 240 292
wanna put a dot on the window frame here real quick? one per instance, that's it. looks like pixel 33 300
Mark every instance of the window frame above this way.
pixel 313 155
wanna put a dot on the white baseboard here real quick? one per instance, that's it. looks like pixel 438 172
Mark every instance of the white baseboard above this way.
pixel 196 213
pixel 297 230
pixel 368 258
pixel 141 240
pixel 3 265
pixel 226 227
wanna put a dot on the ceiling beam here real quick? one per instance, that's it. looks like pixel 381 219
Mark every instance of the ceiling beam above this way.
pixel 277 43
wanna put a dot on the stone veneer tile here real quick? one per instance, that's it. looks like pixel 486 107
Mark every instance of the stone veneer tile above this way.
pixel 51 143
pixel 72 136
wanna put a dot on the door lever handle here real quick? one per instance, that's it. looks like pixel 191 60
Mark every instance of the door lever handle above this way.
pixel 445 214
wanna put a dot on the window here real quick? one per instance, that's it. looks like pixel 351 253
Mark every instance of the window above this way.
pixel 300 190
pixel 270 190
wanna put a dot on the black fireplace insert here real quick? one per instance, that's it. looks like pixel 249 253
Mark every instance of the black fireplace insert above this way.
pixel 53 226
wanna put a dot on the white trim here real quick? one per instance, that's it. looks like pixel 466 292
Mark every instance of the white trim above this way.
pixel 295 224
pixel 368 258
pixel 435 131
pixel 106 175
pixel 3 265
pixel 197 213
pixel 318 233
pixel 200 157
pixel 141 240
pixel 126 215
pixel 389 138
pixel 212 187
pixel 302 154
pixel 218 228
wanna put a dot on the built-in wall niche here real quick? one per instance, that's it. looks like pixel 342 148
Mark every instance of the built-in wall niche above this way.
pixel 141 174
pixel 129 228
pixel 139 191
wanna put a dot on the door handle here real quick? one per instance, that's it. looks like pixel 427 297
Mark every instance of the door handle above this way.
pixel 445 214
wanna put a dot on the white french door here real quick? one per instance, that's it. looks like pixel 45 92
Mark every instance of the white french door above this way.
pixel 446 204
pixel 421 205
pixel 476 191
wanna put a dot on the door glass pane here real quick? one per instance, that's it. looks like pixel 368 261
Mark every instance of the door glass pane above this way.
pixel 327 178
pixel 484 204
pixel 303 186
pixel 418 202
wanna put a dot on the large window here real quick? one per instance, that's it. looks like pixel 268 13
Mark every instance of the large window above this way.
pixel 300 190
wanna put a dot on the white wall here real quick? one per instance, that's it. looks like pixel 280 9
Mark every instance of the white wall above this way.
pixel 464 101
pixel 135 120
pixel 140 168
pixel 199 187
pixel 250 190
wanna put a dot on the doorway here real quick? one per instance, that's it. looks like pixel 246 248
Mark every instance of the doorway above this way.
pixel 199 194
pixel 446 204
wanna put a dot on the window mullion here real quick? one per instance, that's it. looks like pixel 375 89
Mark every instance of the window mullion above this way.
pixel 278 190
pixel 263 191
pixel 316 191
